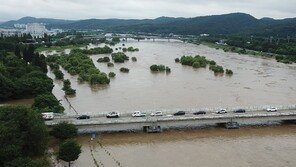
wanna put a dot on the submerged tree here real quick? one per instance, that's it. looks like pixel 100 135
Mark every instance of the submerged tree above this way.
pixel 64 130
pixel 69 151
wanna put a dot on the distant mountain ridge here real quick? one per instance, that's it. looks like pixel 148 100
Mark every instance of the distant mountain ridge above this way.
pixel 226 24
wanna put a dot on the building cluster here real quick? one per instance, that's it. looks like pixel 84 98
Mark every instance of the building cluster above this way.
pixel 37 30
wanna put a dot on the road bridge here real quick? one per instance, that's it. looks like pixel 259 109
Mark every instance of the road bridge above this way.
pixel 99 123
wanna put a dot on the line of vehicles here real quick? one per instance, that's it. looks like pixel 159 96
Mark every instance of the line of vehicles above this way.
pixel 160 113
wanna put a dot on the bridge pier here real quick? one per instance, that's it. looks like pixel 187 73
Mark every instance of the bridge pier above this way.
pixel 152 129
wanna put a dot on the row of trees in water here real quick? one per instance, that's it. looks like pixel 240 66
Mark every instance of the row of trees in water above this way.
pixel 77 63
pixel 160 68
pixel 202 62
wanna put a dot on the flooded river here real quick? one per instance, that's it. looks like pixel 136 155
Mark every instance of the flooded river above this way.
pixel 246 147
pixel 256 81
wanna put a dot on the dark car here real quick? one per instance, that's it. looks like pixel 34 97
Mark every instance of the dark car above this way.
pixel 83 117
pixel 199 113
pixel 179 113
pixel 240 111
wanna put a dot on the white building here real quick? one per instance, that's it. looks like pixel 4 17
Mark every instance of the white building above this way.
pixel 36 29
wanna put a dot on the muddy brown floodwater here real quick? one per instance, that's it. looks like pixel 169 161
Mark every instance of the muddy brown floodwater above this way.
pixel 245 147
pixel 256 81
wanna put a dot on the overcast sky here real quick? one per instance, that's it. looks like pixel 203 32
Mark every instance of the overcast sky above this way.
pixel 83 9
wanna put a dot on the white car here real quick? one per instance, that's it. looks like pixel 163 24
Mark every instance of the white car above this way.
pixel 138 114
pixel 222 111
pixel 271 109
pixel 157 113
pixel 113 115
pixel 47 115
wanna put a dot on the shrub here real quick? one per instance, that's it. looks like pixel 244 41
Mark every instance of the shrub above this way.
pixel 110 64
pixel 111 74
pixel 229 72
pixel 177 60
pixel 119 57
pixel 212 62
pixel 217 69
pixel 100 78
pixel 167 69
pixel 103 60
pixel 134 59
pixel 159 68
pixel 131 49
pixel 125 70
pixel 58 74
pixel 196 65
pixel 67 88
pixel 154 67
pixel 279 58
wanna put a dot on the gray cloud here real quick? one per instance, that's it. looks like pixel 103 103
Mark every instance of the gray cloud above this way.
pixel 82 9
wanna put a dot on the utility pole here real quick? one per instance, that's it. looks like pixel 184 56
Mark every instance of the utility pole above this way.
pixel 270 39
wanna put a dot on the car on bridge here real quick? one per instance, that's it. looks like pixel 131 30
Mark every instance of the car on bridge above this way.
pixel 113 115
pixel 239 111
pixel 221 111
pixel 157 113
pixel 199 113
pixel 271 109
pixel 83 117
pixel 48 115
pixel 179 113
pixel 138 114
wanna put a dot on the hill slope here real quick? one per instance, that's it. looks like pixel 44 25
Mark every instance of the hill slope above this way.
pixel 227 24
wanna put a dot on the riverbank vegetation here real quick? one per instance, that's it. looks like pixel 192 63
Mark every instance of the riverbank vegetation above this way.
pixel 23 138
pixel 282 49
pixel 119 57
pixel 47 103
pixel 23 74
